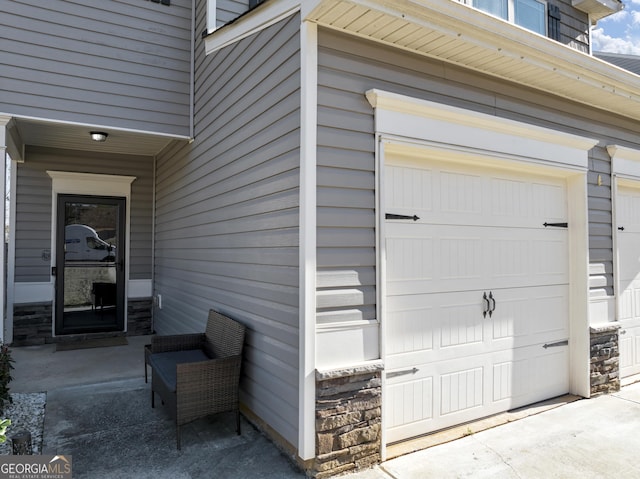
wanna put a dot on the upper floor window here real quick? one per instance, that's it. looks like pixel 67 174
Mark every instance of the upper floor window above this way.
pixel 530 14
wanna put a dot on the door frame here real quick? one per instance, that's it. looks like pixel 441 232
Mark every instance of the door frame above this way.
pixel 411 126
pixel 59 291
pixel 90 184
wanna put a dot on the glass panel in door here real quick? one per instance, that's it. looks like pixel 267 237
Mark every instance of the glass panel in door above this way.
pixel 89 271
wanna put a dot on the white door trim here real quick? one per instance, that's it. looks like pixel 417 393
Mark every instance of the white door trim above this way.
pixel 411 126
pixel 65 182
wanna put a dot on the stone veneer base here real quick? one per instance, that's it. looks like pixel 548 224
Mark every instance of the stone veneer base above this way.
pixel 348 419
pixel 605 359
pixel 32 323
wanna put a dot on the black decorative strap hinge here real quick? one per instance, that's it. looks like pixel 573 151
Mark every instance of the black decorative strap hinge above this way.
pixel 556 225
pixel 391 216
pixel 556 344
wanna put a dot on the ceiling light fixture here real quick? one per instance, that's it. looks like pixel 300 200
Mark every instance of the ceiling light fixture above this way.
pixel 99 136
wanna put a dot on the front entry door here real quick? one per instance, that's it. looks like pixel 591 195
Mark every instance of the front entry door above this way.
pixel 90 264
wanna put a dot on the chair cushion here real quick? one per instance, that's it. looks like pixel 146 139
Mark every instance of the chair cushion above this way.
pixel 164 364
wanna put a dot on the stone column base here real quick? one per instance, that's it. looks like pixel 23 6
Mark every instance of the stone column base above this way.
pixel 348 419
pixel 605 359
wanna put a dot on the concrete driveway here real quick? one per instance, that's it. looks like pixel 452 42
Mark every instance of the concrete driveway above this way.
pixel 591 438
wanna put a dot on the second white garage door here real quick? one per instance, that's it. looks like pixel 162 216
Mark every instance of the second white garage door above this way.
pixel 628 242
pixel 476 293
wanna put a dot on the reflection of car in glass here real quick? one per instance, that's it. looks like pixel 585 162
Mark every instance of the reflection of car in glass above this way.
pixel 82 243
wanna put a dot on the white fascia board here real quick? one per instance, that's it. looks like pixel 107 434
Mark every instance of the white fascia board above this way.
pixel 409 117
pixel 261 17
pixel 625 162
pixel 564 64
pixel 487 30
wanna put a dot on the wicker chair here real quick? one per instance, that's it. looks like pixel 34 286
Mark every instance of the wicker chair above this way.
pixel 198 374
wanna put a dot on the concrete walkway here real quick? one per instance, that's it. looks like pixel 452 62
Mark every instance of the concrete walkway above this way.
pixel 98 411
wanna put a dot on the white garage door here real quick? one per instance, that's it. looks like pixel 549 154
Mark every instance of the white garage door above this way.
pixel 477 293
pixel 628 240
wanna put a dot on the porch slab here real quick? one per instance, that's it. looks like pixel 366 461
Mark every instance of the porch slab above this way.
pixel 111 431
pixel 98 411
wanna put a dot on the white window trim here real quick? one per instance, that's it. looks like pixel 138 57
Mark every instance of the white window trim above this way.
pixel 212 16
pixel 261 17
pixel 64 182
pixel 511 14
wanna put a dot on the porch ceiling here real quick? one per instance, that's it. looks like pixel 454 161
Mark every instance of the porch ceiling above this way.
pixel 31 132
pixel 455 33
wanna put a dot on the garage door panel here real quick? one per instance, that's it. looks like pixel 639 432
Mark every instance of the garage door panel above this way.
pixel 412 402
pixel 408 332
pixel 630 348
pixel 452 392
pixel 530 316
pixel 629 247
pixel 628 209
pixel 517 375
pixel 408 408
pixel 461 390
pixel 453 195
pixel 426 328
pixel 479 234
pixel 434 258
pixel 517 200
pixel 628 311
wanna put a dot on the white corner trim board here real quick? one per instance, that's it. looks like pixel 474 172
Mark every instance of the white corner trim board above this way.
pixel 471 132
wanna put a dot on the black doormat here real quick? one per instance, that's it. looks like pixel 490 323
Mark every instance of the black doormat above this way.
pixel 92 343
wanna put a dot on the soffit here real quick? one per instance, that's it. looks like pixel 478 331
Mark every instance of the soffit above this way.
pixel 50 134
pixel 452 32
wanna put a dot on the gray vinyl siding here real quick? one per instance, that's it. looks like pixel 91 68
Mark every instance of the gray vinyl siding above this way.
pixel 345 207
pixel 600 221
pixel 229 10
pixel 33 206
pixel 574 26
pixel 348 67
pixel 118 63
pixel 227 213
